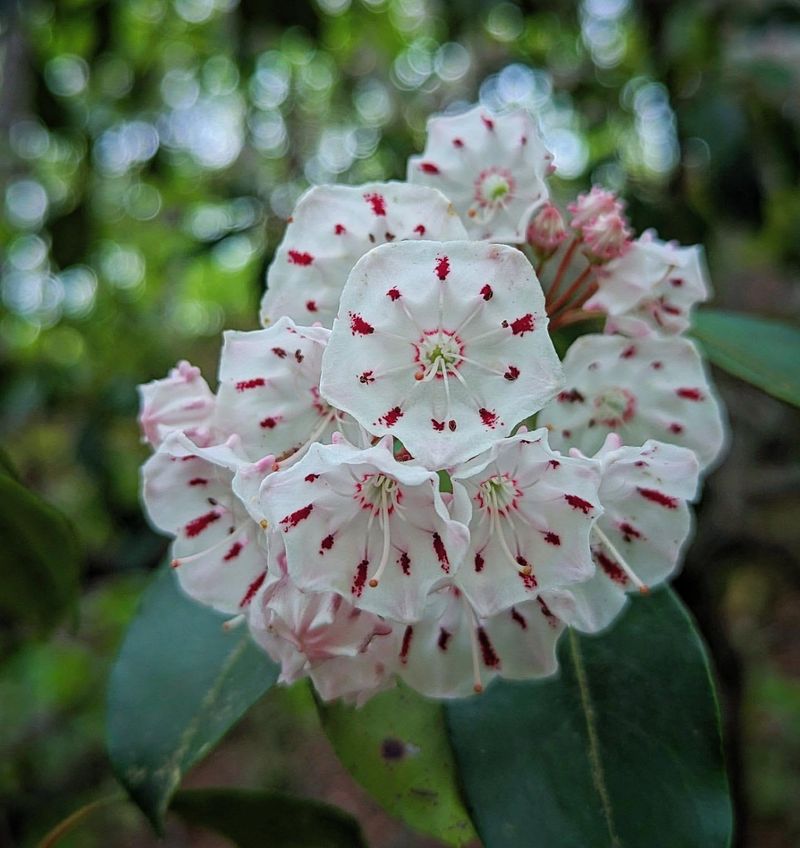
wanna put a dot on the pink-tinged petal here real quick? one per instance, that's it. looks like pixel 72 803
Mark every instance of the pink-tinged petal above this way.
pixel 530 525
pixel 462 320
pixel 652 288
pixel 651 388
pixel 218 550
pixel 369 528
pixel 492 167
pixel 332 227
pixel 181 402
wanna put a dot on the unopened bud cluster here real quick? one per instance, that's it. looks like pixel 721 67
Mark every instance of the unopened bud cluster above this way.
pixel 397 478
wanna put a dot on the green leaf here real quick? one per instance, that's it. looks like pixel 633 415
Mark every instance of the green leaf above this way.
pixel 621 749
pixel 396 747
pixel 179 683
pixel 256 819
pixel 39 559
pixel 760 351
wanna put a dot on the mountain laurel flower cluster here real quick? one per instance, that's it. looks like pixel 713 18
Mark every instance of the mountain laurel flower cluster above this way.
pixel 398 478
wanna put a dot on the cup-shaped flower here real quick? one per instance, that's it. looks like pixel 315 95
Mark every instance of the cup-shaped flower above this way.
pixel 638 541
pixel 605 238
pixel 363 525
pixel 181 401
pixel 217 550
pixel 493 168
pixel 650 388
pixel 452 652
pixel 269 389
pixel 443 345
pixel 531 515
pixel 332 227
pixel 546 231
pixel 651 288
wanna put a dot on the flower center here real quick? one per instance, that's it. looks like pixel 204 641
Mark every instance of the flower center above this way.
pixel 615 406
pixel 498 494
pixel 378 493
pixel 437 352
pixel 494 187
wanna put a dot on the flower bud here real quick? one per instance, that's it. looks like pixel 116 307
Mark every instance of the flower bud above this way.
pixel 546 231
pixel 606 238
pixel 588 207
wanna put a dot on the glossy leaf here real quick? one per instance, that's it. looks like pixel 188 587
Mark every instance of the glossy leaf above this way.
pixel 762 352
pixel 39 559
pixel 256 819
pixel 396 747
pixel 621 749
pixel 178 685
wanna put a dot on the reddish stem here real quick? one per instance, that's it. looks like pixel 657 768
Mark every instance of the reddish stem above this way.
pixel 571 316
pixel 571 291
pixel 562 267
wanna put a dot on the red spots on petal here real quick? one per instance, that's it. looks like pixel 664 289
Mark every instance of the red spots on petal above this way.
pixel 437 425
pixel 658 497
pixel 196 526
pixel 358 326
pixel 299 257
pixel 255 383
pixel 640 463
pixel 294 518
pixel 511 373
pixel 520 326
pixel 628 352
pixel 405 563
pixel 487 122
pixel 690 394
pixel 279 352
pixel 391 417
pixel 326 544
pixel 393 293
pixel 444 638
pixel 676 282
pixel 198 481
pixel 311 305
pixel 377 202
pixel 452 424
pixel 553 463
pixel 611 567
pixel 389 236
pixel 360 578
pixel 486 292
pixel 429 168
pixel 408 634
pixel 479 563
pixel 656 366
pixel 570 396
pixel 457 142
pixel 270 422
pixel 233 552
pixel 252 589
pixel 310 478
pixel 366 378
pixel 188 458
pixel 518 619
pixel 488 653
pixel 671 310
pixel 547 612
pixel 488 417
pixel 675 428
pixel 442 267
pixel 299 357
pixel 441 553
pixel 420 228
pixel 339 229
pixel 629 532
pixel 552 538
pixel 579 503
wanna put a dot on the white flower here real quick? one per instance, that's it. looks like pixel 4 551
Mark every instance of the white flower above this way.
pixel 651 388
pixel 651 288
pixel 531 513
pixel 637 542
pixel 180 402
pixel 493 168
pixel 332 227
pixel 362 524
pixel 217 549
pixel 443 345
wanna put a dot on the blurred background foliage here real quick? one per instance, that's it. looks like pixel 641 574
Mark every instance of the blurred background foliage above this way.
pixel 150 153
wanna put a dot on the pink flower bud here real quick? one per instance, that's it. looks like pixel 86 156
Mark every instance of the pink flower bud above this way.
pixel 546 231
pixel 606 238
pixel 588 207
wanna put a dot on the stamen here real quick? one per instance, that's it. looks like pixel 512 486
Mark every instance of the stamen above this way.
pixel 225 540
pixel 643 588
pixel 301 451
pixel 476 651
pixel 375 579
pixel 233 623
